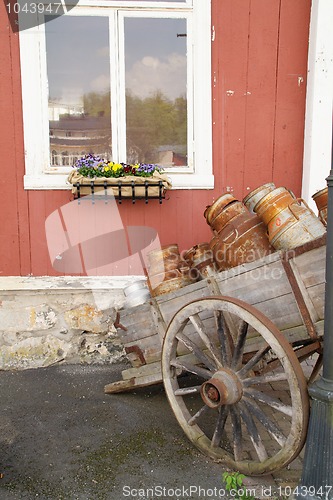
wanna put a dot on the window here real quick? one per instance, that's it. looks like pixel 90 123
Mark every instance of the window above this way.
pixel 130 82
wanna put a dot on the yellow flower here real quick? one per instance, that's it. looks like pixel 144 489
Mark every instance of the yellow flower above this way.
pixel 116 167
pixel 106 169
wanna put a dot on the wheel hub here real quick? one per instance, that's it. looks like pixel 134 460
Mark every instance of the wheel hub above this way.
pixel 224 388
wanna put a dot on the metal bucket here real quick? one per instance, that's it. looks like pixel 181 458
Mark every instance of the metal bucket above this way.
pixel 242 240
pixel 320 199
pixel 294 226
pixel 254 196
pixel 213 210
pixel 136 294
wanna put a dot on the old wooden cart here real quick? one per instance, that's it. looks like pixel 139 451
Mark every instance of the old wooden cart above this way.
pixel 229 350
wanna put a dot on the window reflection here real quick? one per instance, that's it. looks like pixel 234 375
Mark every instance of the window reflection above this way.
pixel 78 69
pixel 156 103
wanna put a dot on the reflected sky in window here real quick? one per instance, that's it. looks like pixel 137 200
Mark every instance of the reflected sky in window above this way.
pixel 77 56
pixel 155 56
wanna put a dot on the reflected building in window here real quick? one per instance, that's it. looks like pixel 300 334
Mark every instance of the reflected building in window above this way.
pixel 73 135
pixel 172 155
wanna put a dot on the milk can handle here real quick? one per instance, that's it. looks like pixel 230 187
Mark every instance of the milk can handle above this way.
pixel 291 210
pixel 291 194
pixel 307 206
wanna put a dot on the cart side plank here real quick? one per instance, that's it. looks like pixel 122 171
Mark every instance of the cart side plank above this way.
pixel 143 371
pixel 317 295
pixel 150 348
pixel 139 323
pixel 311 266
pixel 129 384
pixel 273 297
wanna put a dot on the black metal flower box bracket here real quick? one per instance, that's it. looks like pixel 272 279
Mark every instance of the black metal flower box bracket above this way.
pixel 118 191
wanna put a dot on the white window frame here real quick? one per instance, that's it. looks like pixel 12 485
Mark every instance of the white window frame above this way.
pixel 38 173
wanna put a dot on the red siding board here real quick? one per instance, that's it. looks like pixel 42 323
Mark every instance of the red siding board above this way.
pixel 37 215
pixel 172 221
pixel 10 254
pixel 52 203
pixel 230 53
pixel 18 156
pixel 201 230
pixel 291 88
pixel 261 92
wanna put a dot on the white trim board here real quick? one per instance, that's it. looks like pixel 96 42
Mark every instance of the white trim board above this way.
pixel 319 99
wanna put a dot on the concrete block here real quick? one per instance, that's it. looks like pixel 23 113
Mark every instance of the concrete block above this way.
pixel 90 319
pixel 33 353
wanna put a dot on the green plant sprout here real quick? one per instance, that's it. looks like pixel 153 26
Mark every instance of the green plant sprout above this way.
pixel 234 482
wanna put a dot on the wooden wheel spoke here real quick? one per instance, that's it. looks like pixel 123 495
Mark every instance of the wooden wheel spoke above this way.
pixel 264 379
pixel 239 348
pixel 200 328
pixel 184 391
pixel 237 432
pixel 193 420
pixel 253 433
pixel 219 428
pixel 225 338
pixel 190 368
pixel 253 361
pixel 269 425
pixel 192 346
pixel 269 400
pixel 272 365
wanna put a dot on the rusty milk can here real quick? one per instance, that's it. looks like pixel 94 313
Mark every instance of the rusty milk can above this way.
pixel 167 271
pixel 217 206
pixel 201 260
pixel 218 256
pixel 242 240
pixel 254 196
pixel 165 259
pixel 320 199
pixel 223 210
pixel 290 222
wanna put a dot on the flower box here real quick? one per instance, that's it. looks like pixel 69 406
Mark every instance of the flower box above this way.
pixel 141 185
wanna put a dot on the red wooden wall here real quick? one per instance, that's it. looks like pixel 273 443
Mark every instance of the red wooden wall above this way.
pixel 259 66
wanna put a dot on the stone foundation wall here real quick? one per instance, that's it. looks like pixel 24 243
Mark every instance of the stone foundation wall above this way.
pixel 48 320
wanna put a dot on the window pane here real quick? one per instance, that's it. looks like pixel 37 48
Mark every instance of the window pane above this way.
pixel 156 103
pixel 78 68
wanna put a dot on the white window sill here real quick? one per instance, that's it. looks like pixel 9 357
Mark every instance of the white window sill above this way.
pixel 59 181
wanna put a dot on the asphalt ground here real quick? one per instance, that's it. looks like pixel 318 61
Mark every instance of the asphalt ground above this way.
pixel 63 438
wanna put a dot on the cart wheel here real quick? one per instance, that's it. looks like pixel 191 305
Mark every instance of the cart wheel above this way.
pixel 235 385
